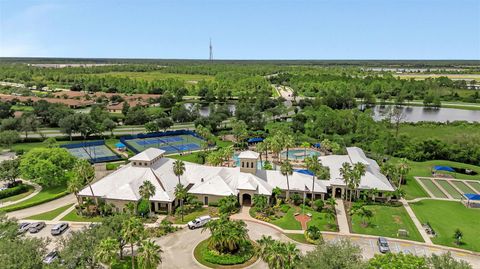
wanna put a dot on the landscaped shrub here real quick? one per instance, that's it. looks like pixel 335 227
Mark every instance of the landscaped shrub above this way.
pixel 313 235
pixel 244 254
pixel 26 205
pixel 318 204
pixel 14 191
pixel 143 207
pixel 297 199
pixel 284 208
pixel 213 204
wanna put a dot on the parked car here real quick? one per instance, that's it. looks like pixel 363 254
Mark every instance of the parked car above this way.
pixel 199 222
pixel 51 257
pixel 59 228
pixel 36 227
pixel 383 245
pixel 23 227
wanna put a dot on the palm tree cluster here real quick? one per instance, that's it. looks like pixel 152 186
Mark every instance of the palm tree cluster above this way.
pixel 227 236
pixel 84 174
pixel 287 170
pixel 278 255
pixel 352 176
pixel 133 232
pixel 319 171
pixel 396 172
pixel 220 156
pixel 147 190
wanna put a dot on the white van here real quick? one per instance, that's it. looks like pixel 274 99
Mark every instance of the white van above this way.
pixel 199 222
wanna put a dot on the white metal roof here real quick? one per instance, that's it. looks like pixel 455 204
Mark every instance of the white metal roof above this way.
pixel 148 155
pixel 248 154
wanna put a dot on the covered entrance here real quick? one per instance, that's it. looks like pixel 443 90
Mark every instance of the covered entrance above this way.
pixel 246 199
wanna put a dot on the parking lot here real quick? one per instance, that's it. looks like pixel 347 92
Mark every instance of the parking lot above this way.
pixel 54 240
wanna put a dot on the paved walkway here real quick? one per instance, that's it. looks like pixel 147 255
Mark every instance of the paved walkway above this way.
pixel 20 214
pixel 37 187
pixel 64 213
pixel 417 223
pixel 341 217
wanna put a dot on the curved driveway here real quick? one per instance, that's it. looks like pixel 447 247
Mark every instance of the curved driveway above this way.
pixel 178 247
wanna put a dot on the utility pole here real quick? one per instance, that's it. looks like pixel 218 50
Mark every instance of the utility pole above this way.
pixel 211 51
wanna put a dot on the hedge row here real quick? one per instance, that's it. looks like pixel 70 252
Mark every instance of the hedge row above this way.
pixel 34 203
pixel 14 191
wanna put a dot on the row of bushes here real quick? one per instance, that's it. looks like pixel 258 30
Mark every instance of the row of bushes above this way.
pixel 14 191
pixel 33 203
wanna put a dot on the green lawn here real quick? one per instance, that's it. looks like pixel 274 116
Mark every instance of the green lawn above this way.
pixel 424 169
pixel 450 189
pixel 73 216
pixel 386 221
pixel 192 157
pixel 50 215
pixel 22 108
pixel 288 221
pixel 462 186
pixel 298 237
pixel 433 188
pixel 445 217
pixel 45 195
pixel 446 133
pixel 17 197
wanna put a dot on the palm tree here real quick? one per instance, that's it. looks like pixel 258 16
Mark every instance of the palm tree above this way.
pixel 133 232
pixel 181 193
pixel 358 172
pixel 226 235
pixel 262 147
pixel 178 169
pixel 332 203
pixel 106 251
pixel 346 173
pixel 227 153
pixel 314 166
pixel 286 169
pixel 85 173
pixel 305 145
pixel 149 255
pixel 147 190
pixel 277 254
pixel 330 215
pixel 402 169
pixel 214 158
pixel 275 193
pixel 288 142
pixel 74 185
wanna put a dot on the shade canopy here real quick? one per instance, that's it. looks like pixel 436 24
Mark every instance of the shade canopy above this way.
pixel 472 196
pixel 304 171
pixel 255 140
pixel 443 168
pixel 119 145
pixel 317 145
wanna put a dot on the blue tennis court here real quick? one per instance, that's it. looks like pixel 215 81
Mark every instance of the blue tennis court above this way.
pixel 175 143
pixel 95 151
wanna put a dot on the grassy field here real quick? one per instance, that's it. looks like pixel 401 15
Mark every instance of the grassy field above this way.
pixel 445 217
pixel 386 221
pixel 288 221
pixel 450 189
pixel 50 215
pixel 436 191
pixel 424 169
pixel 17 197
pixel 45 195
pixel 446 133
pixel 192 157
pixel 155 75
pixel 73 216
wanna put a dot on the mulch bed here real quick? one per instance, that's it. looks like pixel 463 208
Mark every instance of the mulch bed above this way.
pixel 303 219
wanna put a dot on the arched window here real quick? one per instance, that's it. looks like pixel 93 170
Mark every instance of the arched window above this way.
pixel 251 165
pixel 247 164
pixel 243 164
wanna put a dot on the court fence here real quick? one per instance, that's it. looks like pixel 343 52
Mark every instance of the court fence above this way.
pixel 92 160
pixel 124 139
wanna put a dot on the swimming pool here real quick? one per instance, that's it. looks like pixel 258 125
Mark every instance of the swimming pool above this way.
pixel 298 154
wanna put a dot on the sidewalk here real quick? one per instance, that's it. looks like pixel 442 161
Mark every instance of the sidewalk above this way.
pixel 417 223
pixel 37 187
pixel 341 217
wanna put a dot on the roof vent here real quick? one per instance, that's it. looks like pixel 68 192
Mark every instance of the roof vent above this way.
pixel 201 180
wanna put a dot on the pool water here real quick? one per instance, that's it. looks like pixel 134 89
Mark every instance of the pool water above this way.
pixel 298 154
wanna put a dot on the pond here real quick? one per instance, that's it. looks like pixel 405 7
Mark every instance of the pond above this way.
pixel 418 113
pixel 204 110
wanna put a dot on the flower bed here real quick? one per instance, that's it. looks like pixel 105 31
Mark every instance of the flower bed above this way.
pixel 213 259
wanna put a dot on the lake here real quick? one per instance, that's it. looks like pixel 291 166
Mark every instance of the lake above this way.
pixel 418 113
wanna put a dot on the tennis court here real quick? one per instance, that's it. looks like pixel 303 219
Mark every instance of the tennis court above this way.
pixel 94 152
pixel 171 144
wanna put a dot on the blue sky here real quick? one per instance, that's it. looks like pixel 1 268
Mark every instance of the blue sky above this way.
pixel 361 29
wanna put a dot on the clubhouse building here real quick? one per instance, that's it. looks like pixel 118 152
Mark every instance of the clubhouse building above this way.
pixel 211 183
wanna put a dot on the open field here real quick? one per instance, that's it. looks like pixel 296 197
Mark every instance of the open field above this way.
pixel 445 133
pixel 445 217
pixel 154 75
pixel 386 221
pixel 424 169
pixel 450 76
